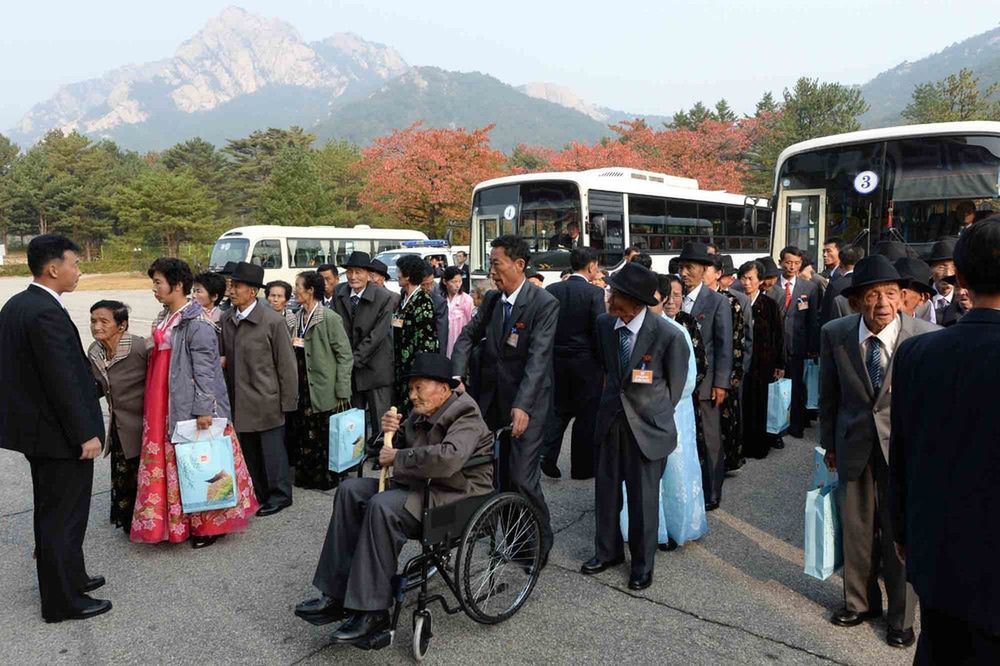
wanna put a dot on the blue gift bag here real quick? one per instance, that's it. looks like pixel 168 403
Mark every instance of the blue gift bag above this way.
pixel 779 405
pixel 822 476
pixel 206 473
pixel 811 378
pixel 347 439
pixel 824 551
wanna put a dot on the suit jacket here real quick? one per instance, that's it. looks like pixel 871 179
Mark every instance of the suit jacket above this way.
pixel 518 376
pixel 649 408
pixel 853 419
pixel 801 319
pixel 48 397
pixel 441 315
pixel 261 372
pixel 466 277
pixel 715 321
pixel 123 384
pixel 580 303
pixel 370 334
pixel 943 467
pixel 830 309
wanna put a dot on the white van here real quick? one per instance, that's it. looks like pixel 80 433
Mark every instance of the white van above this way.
pixel 284 252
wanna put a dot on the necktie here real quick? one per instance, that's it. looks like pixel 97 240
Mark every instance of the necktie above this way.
pixel 788 294
pixel 874 362
pixel 507 309
pixel 355 299
pixel 624 346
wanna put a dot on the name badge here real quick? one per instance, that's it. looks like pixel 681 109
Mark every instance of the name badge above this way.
pixel 397 322
pixel 298 342
pixel 512 340
pixel 642 376
pixel 803 305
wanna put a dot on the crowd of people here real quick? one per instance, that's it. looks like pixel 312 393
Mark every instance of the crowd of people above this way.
pixel 664 378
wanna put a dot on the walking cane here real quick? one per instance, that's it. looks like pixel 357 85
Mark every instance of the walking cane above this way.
pixel 388 442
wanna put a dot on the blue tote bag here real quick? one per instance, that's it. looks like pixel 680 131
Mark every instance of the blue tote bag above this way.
pixel 822 475
pixel 811 378
pixel 823 547
pixel 206 474
pixel 347 439
pixel 779 405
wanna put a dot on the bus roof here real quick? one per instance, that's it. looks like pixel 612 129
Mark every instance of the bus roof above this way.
pixel 357 231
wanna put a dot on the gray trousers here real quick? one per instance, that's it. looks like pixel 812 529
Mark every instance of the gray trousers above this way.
pixel 620 460
pixel 376 402
pixel 713 468
pixel 267 462
pixel 865 519
pixel 366 534
pixel 526 474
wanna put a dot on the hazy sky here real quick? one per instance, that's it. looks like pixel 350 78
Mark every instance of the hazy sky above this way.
pixel 651 57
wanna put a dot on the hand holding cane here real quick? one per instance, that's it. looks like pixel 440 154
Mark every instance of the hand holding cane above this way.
pixel 388 443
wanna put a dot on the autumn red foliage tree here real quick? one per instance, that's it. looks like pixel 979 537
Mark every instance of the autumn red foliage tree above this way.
pixel 424 177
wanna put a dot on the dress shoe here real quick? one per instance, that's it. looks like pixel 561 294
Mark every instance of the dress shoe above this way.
pixel 797 435
pixel 270 509
pixel 778 444
pixel 595 566
pixel 849 618
pixel 92 584
pixel 93 608
pixel 668 546
pixel 361 625
pixel 900 638
pixel 204 541
pixel 640 581
pixel 320 611
pixel 551 469
pixel 711 506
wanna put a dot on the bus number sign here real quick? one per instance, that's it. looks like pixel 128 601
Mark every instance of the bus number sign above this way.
pixel 509 212
pixel 866 182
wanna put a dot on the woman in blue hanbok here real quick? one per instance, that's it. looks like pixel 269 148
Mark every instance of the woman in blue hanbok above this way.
pixel 682 502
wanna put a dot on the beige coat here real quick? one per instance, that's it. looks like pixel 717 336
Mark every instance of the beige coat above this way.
pixel 122 380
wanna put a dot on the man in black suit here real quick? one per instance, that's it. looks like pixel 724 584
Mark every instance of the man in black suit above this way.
pixel 515 368
pixel 49 411
pixel 832 305
pixel 943 466
pixel 461 263
pixel 577 365
pixel 645 361
pixel 798 301
pixel 331 278
pixel 832 247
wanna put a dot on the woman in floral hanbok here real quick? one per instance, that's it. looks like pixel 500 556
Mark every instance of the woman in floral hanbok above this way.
pixel 184 382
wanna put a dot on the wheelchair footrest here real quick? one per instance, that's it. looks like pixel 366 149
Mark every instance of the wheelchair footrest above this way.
pixel 382 639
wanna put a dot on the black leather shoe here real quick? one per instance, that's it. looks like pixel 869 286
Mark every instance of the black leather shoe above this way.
pixel 320 611
pixel 711 506
pixel 92 584
pixel 204 541
pixel 270 509
pixel 778 444
pixel 900 638
pixel 361 625
pixel 595 566
pixel 849 618
pixel 551 469
pixel 640 581
pixel 668 546
pixel 93 608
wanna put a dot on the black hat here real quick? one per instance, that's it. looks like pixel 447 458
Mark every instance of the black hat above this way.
pixel 434 366
pixel 891 250
pixel 770 268
pixel 379 267
pixel 917 272
pixel 942 250
pixel 358 260
pixel 637 282
pixel 725 264
pixel 531 272
pixel 697 253
pixel 250 274
pixel 875 269
pixel 228 269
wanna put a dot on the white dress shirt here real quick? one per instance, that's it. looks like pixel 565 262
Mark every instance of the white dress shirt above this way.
pixel 52 293
pixel 689 300
pixel 241 315
pixel 633 326
pixel 513 295
pixel 887 336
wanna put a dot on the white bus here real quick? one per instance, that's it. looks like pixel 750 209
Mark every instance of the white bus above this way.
pixel 899 182
pixel 615 208
pixel 284 252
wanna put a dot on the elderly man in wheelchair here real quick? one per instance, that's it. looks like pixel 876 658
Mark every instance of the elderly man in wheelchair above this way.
pixel 442 461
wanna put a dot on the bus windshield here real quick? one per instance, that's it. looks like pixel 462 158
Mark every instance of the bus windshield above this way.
pixel 226 250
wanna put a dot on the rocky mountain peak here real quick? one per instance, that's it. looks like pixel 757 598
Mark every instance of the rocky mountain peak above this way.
pixel 563 96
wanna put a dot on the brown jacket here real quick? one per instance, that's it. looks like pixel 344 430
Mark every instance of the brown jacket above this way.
pixel 123 382
pixel 261 370
pixel 436 448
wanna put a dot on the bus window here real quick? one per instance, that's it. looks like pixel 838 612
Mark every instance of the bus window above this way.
pixel 647 222
pixel 226 250
pixel 716 215
pixel 308 252
pixel 267 254
pixel 385 246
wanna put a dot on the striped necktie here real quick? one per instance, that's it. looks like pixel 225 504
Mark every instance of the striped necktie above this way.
pixel 624 347
pixel 874 362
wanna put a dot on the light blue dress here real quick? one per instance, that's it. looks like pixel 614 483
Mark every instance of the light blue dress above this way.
pixel 682 500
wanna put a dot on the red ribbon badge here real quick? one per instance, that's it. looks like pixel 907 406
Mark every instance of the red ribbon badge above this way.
pixel 519 325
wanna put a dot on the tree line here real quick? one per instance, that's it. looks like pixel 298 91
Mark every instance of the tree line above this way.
pixel 105 197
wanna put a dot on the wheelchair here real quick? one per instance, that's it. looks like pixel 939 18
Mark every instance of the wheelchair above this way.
pixel 496 542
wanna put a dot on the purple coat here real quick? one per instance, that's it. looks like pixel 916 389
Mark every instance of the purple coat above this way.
pixel 197 386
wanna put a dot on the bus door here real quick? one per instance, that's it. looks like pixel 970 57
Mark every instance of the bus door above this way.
pixel 606 228
pixel 804 213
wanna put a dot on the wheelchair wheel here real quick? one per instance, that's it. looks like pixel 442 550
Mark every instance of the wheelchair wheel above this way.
pixel 498 559
pixel 421 633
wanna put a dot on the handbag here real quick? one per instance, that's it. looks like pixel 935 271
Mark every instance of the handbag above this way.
pixel 206 474
pixel 779 406
pixel 347 439
pixel 824 552
pixel 810 375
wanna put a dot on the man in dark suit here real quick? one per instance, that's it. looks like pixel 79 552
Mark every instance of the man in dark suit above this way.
pixel 714 315
pixel 798 301
pixel 943 466
pixel 515 368
pixel 461 263
pixel 832 269
pixel 645 361
pixel 366 309
pixel 832 305
pixel 856 369
pixel 577 365
pixel 49 411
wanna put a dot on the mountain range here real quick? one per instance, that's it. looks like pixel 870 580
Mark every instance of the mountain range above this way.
pixel 243 72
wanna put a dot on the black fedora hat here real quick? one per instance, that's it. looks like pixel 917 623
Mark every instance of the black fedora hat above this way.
pixel 875 269
pixel 637 282
pixel 942 250
pixel 228 269
pixel 917 272
pixel 431 365
pixel 697 253
pixel 771 269
pixel 250 274
pixel 532 272
pixel 358 260
pixel 377 266
pixel 727 267
pixel 891 250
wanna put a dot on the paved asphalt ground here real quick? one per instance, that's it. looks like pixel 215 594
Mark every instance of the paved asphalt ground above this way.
pixel 738 596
